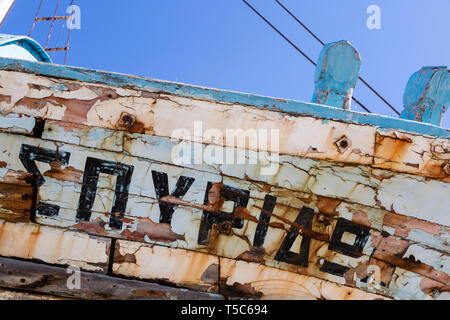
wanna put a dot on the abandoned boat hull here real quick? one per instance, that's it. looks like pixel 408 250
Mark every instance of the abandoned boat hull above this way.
pixel 353 206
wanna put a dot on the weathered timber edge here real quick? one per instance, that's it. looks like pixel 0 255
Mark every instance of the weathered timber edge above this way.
pixel 288 106
pixel 30 277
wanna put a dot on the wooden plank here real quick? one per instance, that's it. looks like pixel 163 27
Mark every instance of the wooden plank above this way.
pixel 54 246
pixel 370 187
pixel 412 153
pixel 380 190
pixel 20 178
pixel 17 123
pixel 78 134
pixel 140 208
pixel 377 249
pixel 157 114
pixel 183 268
pixel 256 281
pixel 16 202
pixel 46 279
pixel 176 234
pixel 375 188
pixel 14 295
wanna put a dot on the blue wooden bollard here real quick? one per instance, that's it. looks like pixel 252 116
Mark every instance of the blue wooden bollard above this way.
pixel 427 95
pixel 336 74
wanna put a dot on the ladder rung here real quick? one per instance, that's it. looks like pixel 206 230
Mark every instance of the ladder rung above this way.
pixel 56 49
pixel 54 18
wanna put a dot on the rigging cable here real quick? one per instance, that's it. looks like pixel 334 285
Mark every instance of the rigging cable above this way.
pixel 322 43
pixel 293 45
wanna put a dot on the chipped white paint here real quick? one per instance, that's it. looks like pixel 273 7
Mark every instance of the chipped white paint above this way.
pixel 181 267
pixel 370 187
pixel 427 200
pixel 160 115
pixel 376 178
pixel 438 260
pixel 93 137
pixel 17 123
pixel 275 284
pixel 55 246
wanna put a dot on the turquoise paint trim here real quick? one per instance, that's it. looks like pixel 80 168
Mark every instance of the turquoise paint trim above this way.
pixel 33 47
pixel 189 91
pixel 336 75
pixel 427 95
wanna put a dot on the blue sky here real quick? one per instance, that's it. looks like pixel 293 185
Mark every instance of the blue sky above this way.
pixel 222 44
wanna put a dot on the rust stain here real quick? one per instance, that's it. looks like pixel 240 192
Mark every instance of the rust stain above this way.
pixel 67 174
pixel 446 168
pixel 328 205
pixel 360 217
pixel 161 232
pixel 386 246
pixel 391 149
pixel 214 200
pixel 239 290
pixel 244 213
pixel 214 197
pixel 225 227
pixel 5 98
pixel 255 254
pixel 403 225
pixel 18 177
pixel 127 258
pixel 433 287
pixel 362 272
pixel 307 200
pixel 214 235
pixel 3 164
pixel 129 122
pixel 97 226
pixel 302 229
pixel 312 149
pixel 68 127
pixel 343 144
pixel 391 250
pixel 265 187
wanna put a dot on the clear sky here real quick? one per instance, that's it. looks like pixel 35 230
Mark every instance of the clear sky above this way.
pixel 222 44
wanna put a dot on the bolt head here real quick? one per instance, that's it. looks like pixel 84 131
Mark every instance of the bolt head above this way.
pixel 343 143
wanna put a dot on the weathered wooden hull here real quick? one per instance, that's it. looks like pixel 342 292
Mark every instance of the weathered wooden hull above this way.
pixel 88 179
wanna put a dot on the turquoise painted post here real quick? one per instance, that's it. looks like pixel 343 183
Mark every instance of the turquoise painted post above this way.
pixel 427 95
pixel 336 75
